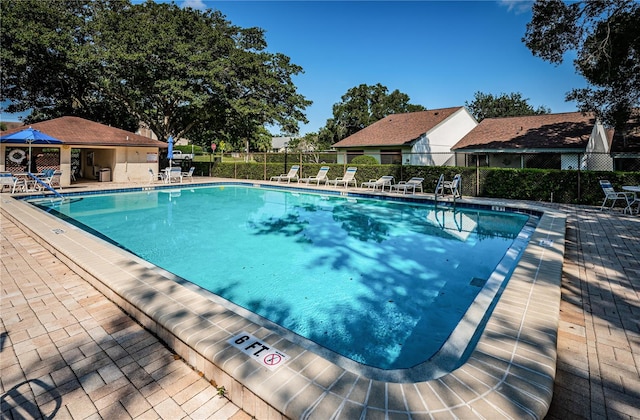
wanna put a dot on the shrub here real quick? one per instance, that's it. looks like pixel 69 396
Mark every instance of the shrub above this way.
pixel 364 160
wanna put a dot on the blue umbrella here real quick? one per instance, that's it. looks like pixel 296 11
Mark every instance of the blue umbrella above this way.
pixel 29 136
pixel 170 152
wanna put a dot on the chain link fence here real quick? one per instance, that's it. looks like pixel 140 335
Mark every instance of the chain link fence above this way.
pixel 550 177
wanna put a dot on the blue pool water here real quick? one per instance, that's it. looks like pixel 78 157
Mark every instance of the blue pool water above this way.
pixel 382 283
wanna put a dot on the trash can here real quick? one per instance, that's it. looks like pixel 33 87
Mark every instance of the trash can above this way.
pixel 105 175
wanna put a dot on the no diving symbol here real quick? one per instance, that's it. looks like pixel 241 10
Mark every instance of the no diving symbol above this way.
pixel 272 359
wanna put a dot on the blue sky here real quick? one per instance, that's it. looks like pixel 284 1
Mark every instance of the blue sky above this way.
pixel 438 52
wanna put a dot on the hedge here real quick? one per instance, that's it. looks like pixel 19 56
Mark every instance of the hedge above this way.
pixel 546 185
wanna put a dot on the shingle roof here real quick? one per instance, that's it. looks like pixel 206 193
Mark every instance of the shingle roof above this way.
pixel 82 132
pixel 397 129
pixel 547 131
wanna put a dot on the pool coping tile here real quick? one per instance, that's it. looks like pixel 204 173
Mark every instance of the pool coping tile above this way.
pixel 504 375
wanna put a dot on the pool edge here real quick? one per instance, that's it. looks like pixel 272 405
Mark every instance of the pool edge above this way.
pixel 510 373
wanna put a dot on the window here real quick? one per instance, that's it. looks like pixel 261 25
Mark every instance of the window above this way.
pixel 391 157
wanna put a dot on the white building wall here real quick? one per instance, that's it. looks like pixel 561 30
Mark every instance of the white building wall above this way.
pixel 132 164
pixel 434 149
pixel 597 156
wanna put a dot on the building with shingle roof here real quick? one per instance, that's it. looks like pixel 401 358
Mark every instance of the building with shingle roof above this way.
pixel 571 139
pixel 87 148
pixel 413 138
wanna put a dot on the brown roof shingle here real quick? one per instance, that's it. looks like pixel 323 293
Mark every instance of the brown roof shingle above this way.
pixel 547 131
pixel 397 129
pixel 82 132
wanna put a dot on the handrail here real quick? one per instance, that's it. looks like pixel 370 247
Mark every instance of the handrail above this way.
pixel 45 185
pixel 439 187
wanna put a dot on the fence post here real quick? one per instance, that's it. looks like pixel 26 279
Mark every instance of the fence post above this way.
pixel 477 176
pixel 579 168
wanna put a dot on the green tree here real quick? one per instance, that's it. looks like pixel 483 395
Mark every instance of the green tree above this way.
pixel 179 71
pixel 605 35
pixel 41 62
pixel 361 106
pixel 485 105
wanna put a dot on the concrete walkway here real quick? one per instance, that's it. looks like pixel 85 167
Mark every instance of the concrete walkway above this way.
pixel 66 350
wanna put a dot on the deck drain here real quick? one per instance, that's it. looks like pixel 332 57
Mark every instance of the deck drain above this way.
pixel 57 231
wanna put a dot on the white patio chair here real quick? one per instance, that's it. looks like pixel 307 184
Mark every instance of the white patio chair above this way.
pixel 453 186
pixel 611 194
pixel 153 177
pixel 189 174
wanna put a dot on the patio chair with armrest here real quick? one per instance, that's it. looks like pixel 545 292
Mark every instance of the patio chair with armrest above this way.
pixel 54 180
pixel 50 178
pixel 453 186
pixel 155 177
pixel 189 174
pixel 611 194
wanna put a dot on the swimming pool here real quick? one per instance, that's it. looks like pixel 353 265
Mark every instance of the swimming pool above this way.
pixel 382 283
pixel 509 374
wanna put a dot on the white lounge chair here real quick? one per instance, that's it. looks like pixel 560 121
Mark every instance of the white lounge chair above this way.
pixel 412 185
pixel 611 194
pixel 292 175
pixel 320 177
pixel 189 174
pixel 382 182
pixel 348 178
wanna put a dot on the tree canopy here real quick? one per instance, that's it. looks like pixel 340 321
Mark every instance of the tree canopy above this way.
pixel 485 105
pixel 606 38
pixel 361 106
pixel 180 71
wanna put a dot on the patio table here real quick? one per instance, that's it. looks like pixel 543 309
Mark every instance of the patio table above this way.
pixel 635 189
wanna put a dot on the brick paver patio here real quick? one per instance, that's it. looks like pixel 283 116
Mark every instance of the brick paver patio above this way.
pixel 66 350
pixel 598 367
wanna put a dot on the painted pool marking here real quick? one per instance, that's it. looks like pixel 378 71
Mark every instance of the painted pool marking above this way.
pixel 265 355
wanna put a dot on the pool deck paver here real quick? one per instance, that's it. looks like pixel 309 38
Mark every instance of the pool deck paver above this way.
pixel 58 313
pixel 67 351
pixel 598 367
